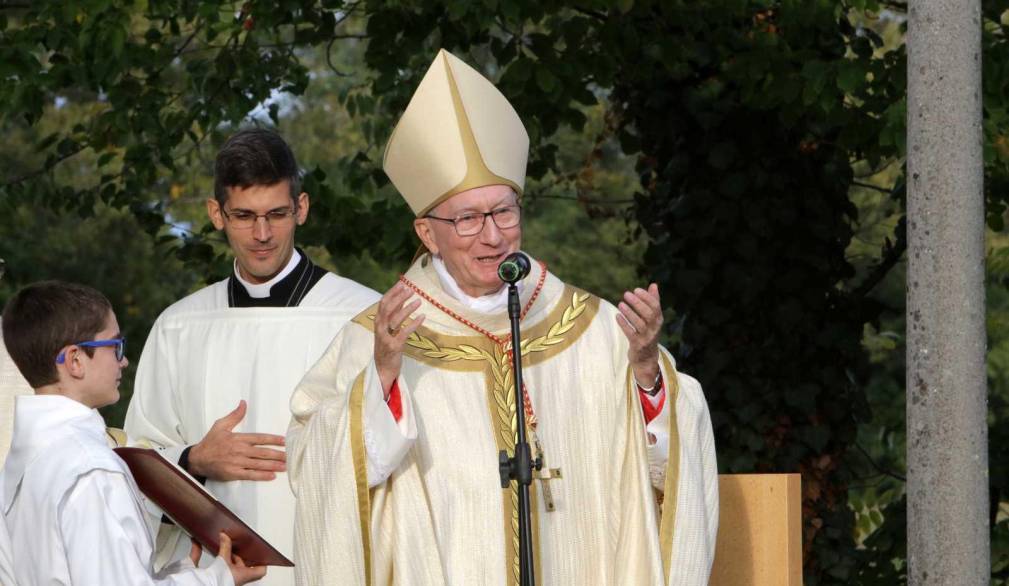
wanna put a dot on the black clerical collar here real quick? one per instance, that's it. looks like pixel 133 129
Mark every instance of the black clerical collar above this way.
pixel 287 292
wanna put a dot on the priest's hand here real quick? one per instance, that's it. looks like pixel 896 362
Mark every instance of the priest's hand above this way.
pixel 391 333
pixel 641 320
pixel 241 573
pixel 223 454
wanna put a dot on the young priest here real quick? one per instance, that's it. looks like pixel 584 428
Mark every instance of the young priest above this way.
pixel 70 507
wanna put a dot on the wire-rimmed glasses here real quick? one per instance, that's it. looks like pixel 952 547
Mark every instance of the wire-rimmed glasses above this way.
pixel 472 223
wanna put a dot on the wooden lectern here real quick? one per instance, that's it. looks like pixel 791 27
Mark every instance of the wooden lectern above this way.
pixel 759 531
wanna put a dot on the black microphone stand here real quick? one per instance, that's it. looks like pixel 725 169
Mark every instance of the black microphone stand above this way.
pixel 520 466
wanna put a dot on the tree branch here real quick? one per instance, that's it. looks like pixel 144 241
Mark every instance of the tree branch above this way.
pixel 593 13
pixel 871 186
pixel 876 171
pixel 586 199
pixel 329 59
pixel 49 166
pixel 52 163
pixel 503 26
pixel 879 468
pixel 177 54
pixel 891 256
pixel 346 13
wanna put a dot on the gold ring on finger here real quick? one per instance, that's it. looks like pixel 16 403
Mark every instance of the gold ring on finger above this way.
pixel 392 331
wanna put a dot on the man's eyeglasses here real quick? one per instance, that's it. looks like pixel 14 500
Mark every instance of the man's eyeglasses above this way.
pixel 246 219
pixel 471 223
pixel 119 343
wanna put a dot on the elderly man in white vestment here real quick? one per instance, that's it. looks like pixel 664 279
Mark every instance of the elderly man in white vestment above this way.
pixel 216 375
pixel 427 508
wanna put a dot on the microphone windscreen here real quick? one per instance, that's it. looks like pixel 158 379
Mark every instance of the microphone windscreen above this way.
pixel 514 268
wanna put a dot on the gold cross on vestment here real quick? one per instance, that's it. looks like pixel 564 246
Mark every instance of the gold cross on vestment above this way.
pixel 544 475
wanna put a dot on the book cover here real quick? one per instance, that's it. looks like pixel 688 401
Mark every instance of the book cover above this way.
pixel 191 506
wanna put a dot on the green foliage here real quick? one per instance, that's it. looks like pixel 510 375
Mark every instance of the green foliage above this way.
pixel 767 200
pixel 998 405
pixel 755 142
pixel 746 117
pixel 110 252
pixel 749 118
pixel 162 76
pixel 358 224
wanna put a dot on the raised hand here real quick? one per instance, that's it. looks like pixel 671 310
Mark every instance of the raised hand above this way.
pixel 641 320
pixel 391 333
pixel 242 573
pixel 223 454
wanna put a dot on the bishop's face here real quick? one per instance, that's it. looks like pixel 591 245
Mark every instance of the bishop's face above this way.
pixel 472 260
pixel 263 248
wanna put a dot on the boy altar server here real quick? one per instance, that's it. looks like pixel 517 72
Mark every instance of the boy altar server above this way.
pixel 71 510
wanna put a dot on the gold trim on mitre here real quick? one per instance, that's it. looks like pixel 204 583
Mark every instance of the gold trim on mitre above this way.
pixel 457 133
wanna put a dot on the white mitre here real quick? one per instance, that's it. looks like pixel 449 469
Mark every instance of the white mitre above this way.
pixel 457 133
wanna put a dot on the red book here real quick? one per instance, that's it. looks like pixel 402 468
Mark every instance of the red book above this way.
pixel 193 508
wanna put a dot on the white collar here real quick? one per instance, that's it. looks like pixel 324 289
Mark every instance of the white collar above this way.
pixel 262 290
pixel 494 302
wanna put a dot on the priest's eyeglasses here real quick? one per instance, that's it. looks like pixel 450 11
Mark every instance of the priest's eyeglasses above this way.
pixel 119 343
pixel 471 223
pixel 246 219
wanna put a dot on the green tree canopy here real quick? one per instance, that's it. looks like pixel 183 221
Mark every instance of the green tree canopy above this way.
pixel 766 139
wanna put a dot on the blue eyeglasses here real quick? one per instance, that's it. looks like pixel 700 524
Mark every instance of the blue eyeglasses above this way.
pixel 119 343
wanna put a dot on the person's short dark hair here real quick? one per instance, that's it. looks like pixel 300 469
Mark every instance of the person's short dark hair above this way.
pixel 43 318
pixel 256 156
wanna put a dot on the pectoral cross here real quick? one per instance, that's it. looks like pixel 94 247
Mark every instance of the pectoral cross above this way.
pixel 544 475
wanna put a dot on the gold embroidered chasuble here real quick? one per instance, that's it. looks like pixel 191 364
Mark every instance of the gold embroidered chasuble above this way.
pixel 442 517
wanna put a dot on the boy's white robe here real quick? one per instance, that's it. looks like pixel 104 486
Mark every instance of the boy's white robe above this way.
pixel 442 517
pixel 71 508
pixel 202 357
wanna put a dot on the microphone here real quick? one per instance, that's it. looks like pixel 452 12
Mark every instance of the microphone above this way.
pixel 514 268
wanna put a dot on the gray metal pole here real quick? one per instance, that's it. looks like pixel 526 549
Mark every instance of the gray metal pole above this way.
pixel 947 436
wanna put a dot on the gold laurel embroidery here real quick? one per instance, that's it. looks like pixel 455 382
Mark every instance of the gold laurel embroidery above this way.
pixel 555 335
pixel 504 387
pixel 504 393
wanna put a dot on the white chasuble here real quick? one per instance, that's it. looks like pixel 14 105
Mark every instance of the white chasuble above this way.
pixel 442 516
pixel 202 358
